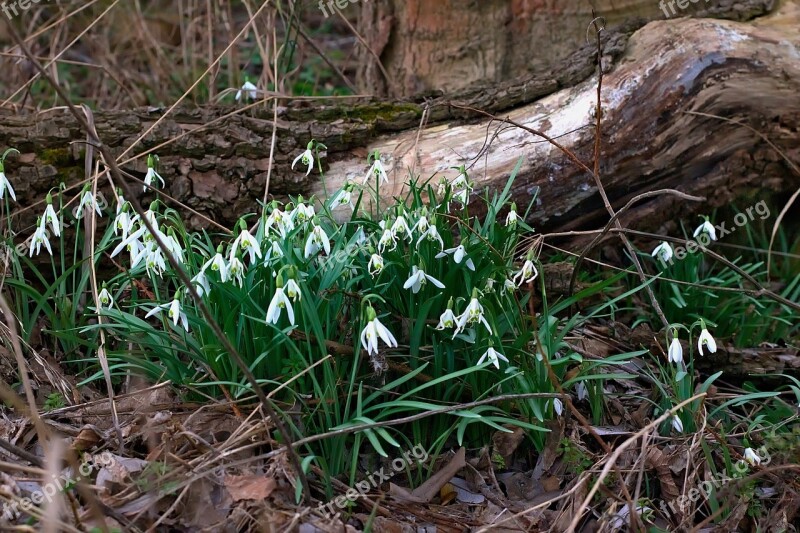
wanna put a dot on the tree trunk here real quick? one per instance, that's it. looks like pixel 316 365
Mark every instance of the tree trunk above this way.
pixel 452 44
pixel 217 163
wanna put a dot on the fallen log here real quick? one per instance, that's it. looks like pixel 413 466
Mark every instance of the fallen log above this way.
pixel 217 161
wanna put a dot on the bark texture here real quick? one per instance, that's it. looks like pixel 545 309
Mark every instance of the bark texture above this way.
pixel 451 44
pixel 217 163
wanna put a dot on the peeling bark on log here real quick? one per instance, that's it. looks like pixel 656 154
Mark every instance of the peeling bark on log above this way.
pixel 747 71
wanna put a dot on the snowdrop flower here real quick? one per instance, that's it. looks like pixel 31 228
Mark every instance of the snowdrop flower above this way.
pixel 87 200
pixel 460 182
pixel 448 318
pixel 273 252
pixel 151 175
pixel 248 89
pixel 706 227
pixel 306 158
pixel 317 240
pixel 423 223
pixel 512 218
pixel 675 351
pixel 105 298
pixel 375 265
pixel 621 518
pixel 431 234
pixel 472 315
pixel 706 339
pixel 303 212
pixel 50 217
pixel 677 425
pixel 236 270
pixel 376 169
pixel 459 253
pixel 751 457
pixel 492 356
pixel 246 243
pixel 175 312
pixel 388 238
pixel 154 260
pixel 5 185
pixel 173 246
pixel 374 330
pixel 218 264
pixel 509 286
pixel 293 290
pixel 526 274
pixel 39 238
pixel 280 302
pixel 401 226
pixel 558 407
pixel 418 278
pixel 281 221
pixel 123 222
pixel 663 251
pixel 343 197
pixel 581 391
pixel 200 283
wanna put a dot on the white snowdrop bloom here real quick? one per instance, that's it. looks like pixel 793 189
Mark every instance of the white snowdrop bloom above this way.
pixel 150 177
pixel 200 283
pixel 459 253
pixel 622 517
pixel 558 407
pixel 105 298
pixel 341 198
pixel 175 312
pixel 705 339
pixel 706 227
pixel 137 252
pixel 581 391
pixel 306 158
pixel 279 221
pixel 401 226
pixel 509 286
pixel 751 457
pixel 677 425
pixel 462 196
pixel 431 234
pixel 5 185
pixel 124 223
pixel 293 290
pixel 236 271
pixel 274 251
pixel 675 351
pixel 248 90
pixel 39 238
pixel 303 213
pixel 373 331
pixel 128 242
pixel 174 247
pixel 446 320
pixel 422 224
pixel 87 201
pixel 418 278
pixel 154 260
pixel 50 217
pixel 663 251
pixel 317 240
pixel 246 243
pixel 377 171
pixel 460 182
pixel 375 265
pixel 526 274
pixel 388 238
pixel 512 218
pixel 218 264
pixel 280 302
pixel 473 314
pixel 493 356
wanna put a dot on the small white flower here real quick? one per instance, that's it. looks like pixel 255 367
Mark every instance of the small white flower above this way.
pixel 447 320
pixel 343 197
pixel 526 274
pixel 50 217
pixel 581 391
pixel 274 251
pixel 236 271
pixel 173 246
pixel 374 330
pixel 663 251
pixel 317 240
pixel 249 90
pixel 87 200
pixel 377 171
pixel 150 176
pixel 279 302
pixel 200 282
pixel 247 243
pixel 512 218
pixel 39 238
pixel 303 212
pixel 218 264
pixel 401 226
pixel 677 425
pixel 282 222
pixel 705 339
pixel 431 234
pixel 306 158
pixel 175 312
pixel 675 351
pixel 154 259
pixel 706 227
pixel 105 298
pixel 418 278
pixel 751 457
pixel 5 185
pixel 493 356
pixel 422 224
pixel 472 315
pixel 388 238
pixel 558 407
pixel 509 285
pixel 293 290
pixel 459 253
pixel 124 223
pixel 375 265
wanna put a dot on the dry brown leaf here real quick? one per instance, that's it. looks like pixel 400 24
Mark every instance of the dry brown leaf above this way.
pixel 505 444
pixel 249 487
